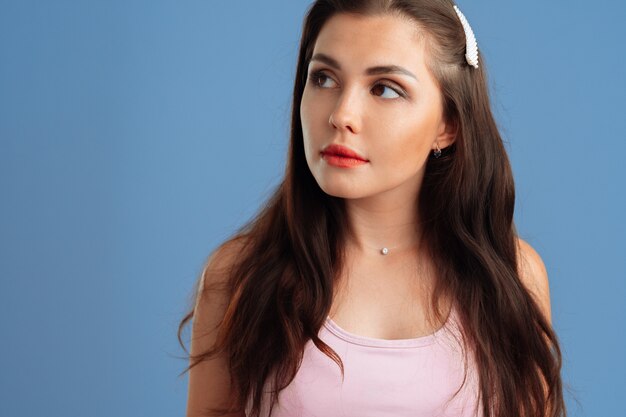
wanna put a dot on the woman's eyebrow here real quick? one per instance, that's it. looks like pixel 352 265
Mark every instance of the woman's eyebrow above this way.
pixel 382 69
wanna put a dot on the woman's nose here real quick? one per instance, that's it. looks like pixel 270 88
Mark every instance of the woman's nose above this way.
pixel 345 115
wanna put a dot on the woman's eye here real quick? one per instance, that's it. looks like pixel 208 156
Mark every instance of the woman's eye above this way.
pixel 318 77
pixel 395 93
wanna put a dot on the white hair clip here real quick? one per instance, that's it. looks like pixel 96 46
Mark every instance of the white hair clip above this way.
pixel 471 47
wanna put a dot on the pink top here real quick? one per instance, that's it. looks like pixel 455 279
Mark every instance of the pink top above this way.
pixel 383 377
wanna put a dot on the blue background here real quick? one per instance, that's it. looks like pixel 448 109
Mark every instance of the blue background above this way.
pixel 137 135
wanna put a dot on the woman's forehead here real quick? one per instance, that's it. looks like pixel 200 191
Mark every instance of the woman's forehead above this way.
pixel 371 41
pixel 356 42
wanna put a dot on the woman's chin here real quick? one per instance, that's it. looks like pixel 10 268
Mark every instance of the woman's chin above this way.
pixel 341 190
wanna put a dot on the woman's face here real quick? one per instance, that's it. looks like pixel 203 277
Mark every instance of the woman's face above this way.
pixel 391 117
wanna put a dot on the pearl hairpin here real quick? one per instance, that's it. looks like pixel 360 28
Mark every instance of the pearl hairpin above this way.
pixel 471 46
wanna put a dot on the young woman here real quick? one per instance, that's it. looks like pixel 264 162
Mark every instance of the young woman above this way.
pixel 384 277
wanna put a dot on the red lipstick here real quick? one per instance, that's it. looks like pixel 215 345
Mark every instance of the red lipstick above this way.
pixel 341 156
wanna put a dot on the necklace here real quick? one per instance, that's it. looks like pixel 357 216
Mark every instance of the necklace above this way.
pixel 385 250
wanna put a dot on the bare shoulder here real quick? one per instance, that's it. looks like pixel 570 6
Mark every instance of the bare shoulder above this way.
pixel 212 294
pixel 209 380
pixel 534 276
pixel 219 264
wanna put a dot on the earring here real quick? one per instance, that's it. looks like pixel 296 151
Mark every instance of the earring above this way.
pixel 437 151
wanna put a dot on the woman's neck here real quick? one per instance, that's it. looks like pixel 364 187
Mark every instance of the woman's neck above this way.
pixel 375 225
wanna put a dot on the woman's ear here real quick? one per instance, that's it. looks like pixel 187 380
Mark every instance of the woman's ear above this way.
pixel 447 134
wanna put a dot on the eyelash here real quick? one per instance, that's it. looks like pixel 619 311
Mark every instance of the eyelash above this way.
pixel 316 76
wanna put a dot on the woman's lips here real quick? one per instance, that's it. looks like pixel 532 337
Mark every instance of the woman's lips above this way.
pixel 341 156
pixel 342 161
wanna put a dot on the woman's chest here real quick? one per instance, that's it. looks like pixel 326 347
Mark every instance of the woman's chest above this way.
pixel 385 304
pixel 418 377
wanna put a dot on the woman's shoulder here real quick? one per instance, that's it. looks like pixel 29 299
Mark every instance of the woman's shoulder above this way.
pixel 223 258
pixel 214 279
pixel 209 378
pixel 534 276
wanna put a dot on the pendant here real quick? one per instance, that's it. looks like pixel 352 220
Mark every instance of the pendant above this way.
pixel 384 251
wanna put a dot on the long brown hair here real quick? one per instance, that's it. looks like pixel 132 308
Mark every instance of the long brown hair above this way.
pixel 281 287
